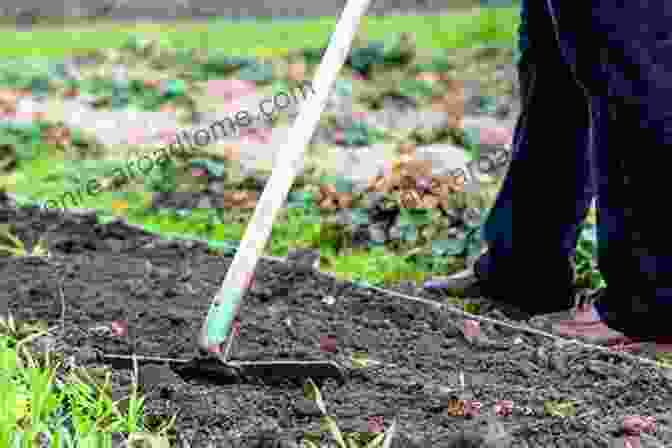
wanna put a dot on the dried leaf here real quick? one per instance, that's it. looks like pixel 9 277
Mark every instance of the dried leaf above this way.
pixel 119 328
pixel 560 408
pixel 327 191
pixel 636 424
pixel 328 344
pixel 410 199
pixel 472 408
pixel 328 204
pixel 345 200
pixel 504 408
pixel 472 329
pixel 430 202
pixel 455 407
pixel 376 424
pixel 360 360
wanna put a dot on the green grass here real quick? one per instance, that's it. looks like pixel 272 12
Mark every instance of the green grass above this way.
pixel 33 400
pixel 491 26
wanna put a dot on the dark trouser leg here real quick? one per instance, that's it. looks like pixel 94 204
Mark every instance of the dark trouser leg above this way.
pixel 633 98
pixel 551 166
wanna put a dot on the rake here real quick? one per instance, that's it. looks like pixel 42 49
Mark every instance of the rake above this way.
pixel 216 329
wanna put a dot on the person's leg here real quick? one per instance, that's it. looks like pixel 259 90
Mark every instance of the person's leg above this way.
pixel 624 65
pixel 551 166
pixel 633 147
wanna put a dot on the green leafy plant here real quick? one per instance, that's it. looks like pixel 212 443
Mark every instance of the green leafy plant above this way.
pixel 399 49
pixel 20 142
pixel 138 45
pixel 364 58
pixel 219 63
pixel 361 134
pixel 409 222
pixel 439 64
pixel 163 178
pixel 587 274
pixel 416 89
pixel 26 73
pixel 258 72
pixel 469 139
pixel 301 199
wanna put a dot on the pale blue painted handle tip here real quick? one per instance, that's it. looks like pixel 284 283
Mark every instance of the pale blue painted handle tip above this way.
pixel 220 318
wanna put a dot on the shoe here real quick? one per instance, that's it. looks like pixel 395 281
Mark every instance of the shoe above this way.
pixel 593 332
pixel 467 284
pixel 580 322
pixel 464 284
pixel 587 325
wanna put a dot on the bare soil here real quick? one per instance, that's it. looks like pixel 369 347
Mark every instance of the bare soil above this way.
pixel 112 272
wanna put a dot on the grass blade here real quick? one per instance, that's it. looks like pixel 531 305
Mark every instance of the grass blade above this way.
pixel 312 392
pixel 329 424
pixel 389 434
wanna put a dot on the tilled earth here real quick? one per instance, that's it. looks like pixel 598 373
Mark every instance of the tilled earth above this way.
pixel 113 272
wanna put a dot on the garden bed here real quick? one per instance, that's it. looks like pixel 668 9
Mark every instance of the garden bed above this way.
pixel 111 273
